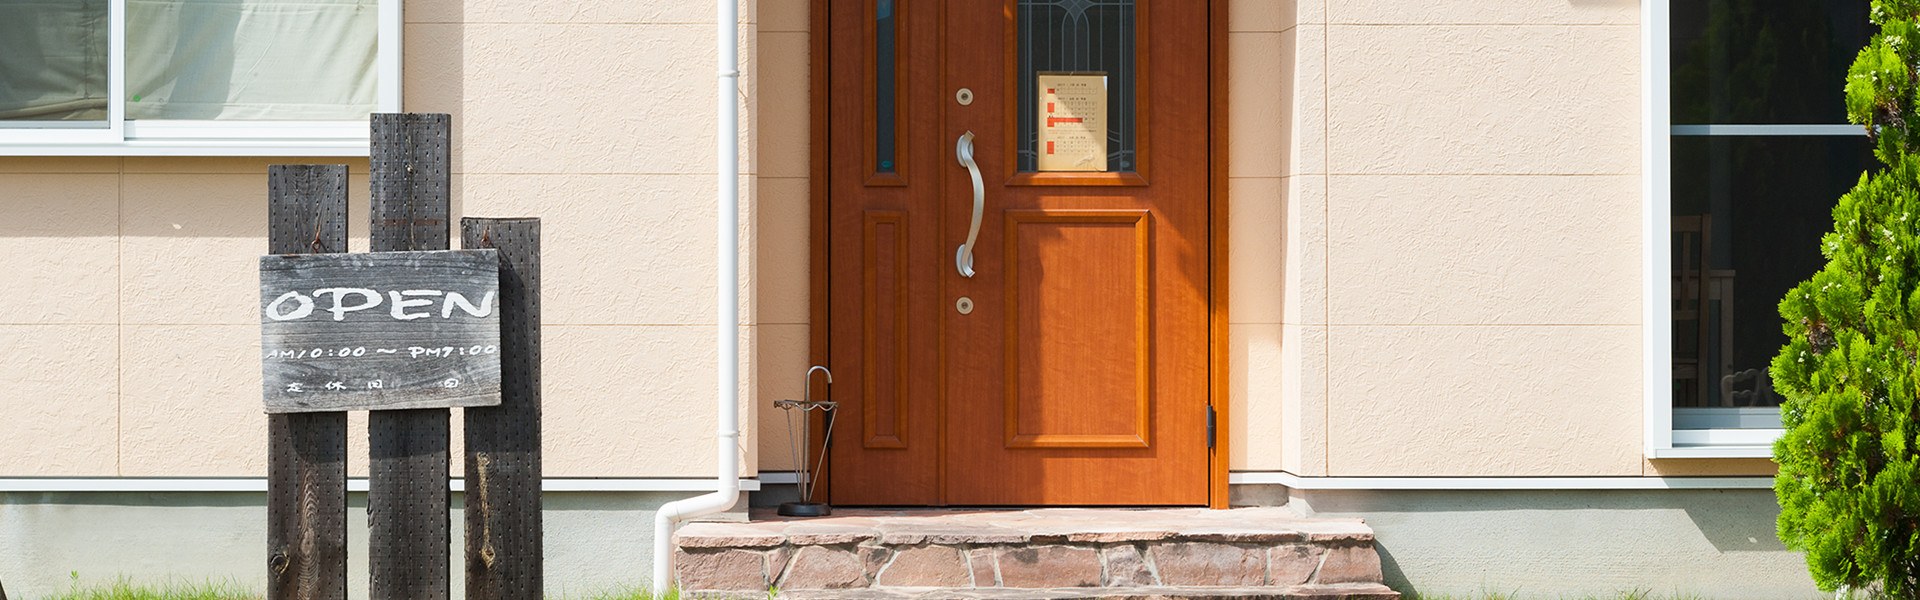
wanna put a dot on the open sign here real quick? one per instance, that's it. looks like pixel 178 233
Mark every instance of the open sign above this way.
pixel 380 331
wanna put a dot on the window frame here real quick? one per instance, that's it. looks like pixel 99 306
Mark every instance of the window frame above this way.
pixel 160 137
pixel 1662 439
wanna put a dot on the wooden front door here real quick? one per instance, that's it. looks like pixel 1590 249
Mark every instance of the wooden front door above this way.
pixel 1070 367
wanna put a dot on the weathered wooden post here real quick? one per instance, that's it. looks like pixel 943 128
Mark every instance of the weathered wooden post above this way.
pixel 306 455
pixel 405 332
pixel 504 554
pixel 407 496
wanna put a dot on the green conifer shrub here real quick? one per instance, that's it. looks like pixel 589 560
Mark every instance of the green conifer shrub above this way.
pixel 1849 481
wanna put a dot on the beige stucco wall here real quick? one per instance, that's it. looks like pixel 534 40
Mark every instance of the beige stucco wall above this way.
pixel 128 340
pixel 1457 290
pixel 1434 245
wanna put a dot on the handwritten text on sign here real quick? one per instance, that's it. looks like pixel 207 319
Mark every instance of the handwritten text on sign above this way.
pixel 381 331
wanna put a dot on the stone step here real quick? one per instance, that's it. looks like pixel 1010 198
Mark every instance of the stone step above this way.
pixel 1082 553
pixel 1351 591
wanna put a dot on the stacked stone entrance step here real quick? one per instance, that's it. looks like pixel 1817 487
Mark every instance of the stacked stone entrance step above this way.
pixel 1042 553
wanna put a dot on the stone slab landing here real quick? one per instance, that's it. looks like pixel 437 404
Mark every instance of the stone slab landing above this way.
pixel 1033 554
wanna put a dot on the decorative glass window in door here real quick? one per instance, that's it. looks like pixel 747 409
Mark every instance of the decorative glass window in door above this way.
pixel 1078 45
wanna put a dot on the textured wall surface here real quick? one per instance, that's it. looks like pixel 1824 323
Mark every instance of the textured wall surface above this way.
pixel 1434 244
pixel 128 336
pixel 1456 289
pixel 130 345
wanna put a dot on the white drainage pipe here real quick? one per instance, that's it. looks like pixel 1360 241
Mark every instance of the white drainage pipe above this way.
pixel 728 325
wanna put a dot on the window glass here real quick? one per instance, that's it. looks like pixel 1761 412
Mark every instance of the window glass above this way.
pixel 884 28
pixel 1750 203
pixel 1748 213
pixel 1078 36
pixel 293 60
pixel 1763 61
pixel 53 63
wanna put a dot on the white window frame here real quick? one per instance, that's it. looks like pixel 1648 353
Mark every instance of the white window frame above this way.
pixel 1656 156
pixel 156 137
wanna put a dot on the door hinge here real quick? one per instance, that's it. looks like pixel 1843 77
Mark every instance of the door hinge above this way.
pixel 1212 427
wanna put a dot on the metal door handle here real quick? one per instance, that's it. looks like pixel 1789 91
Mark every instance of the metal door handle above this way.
pixel 963 259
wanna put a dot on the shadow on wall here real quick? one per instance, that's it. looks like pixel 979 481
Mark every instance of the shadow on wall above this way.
pixel 1723 524
pixel 1389 571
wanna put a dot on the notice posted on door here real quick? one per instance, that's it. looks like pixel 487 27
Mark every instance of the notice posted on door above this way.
pixel 1073 121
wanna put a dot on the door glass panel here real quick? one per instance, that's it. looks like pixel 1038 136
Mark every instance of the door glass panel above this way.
pixel 1078 37
pixel 53 63
pixel 884 30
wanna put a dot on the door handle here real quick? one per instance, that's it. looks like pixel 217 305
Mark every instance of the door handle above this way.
pixel 963 150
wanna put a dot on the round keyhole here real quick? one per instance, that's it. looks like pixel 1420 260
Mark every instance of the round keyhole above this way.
pixel 964 96
pixel 964 305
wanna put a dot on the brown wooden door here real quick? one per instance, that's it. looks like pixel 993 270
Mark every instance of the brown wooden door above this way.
pixel 1071 366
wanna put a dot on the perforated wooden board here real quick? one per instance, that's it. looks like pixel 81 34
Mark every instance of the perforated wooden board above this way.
pixel 307 452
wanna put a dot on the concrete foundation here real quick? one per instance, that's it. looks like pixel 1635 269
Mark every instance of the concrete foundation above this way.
pixel 1705 544
pixel 594 540
pixel 1529 543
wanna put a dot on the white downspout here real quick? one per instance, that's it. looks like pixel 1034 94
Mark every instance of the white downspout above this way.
pixel 728 325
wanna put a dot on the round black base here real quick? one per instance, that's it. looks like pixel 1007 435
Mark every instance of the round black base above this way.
pixel 805 509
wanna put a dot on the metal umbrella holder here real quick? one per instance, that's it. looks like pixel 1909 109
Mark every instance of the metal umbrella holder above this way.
pixel 803 470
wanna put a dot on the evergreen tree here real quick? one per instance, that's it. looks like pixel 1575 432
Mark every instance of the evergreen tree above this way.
pixel 1849 482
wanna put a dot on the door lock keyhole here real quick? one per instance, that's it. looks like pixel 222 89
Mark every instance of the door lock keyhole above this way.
pixel 964 96
pixel 964 305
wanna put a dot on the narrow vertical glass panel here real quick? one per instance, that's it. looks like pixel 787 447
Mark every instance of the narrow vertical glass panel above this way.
pixel 249 60
pixel 53 63
pixel 1078 37
pixel 1748 213
pixel 883 85
pixel 1763 61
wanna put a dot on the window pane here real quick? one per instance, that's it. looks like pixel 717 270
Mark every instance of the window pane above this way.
pixel 251 59
pixel 53 62
pixel 1080 36
pixel 1763 61
pixel 1748 213
pixel 883 76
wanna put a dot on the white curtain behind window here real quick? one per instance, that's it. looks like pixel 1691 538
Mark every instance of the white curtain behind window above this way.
pixel 251 59
pixel 53 60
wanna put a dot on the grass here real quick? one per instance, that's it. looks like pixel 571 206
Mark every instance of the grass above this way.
pixel 123 589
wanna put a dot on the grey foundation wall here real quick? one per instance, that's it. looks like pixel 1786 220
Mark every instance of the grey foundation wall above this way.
pixel 594 540
pixel 1559 544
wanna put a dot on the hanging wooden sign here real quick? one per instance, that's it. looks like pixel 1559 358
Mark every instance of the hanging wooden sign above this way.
pixel 380 331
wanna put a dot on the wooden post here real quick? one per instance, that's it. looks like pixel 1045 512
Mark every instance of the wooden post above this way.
pixel 407 497
pixel 504 552
pixel 306 453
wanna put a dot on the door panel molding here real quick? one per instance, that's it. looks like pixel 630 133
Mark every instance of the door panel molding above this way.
pixel 883 413
pixel 1080 319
